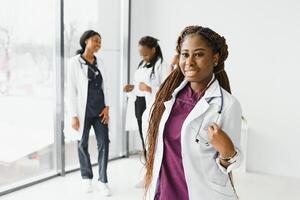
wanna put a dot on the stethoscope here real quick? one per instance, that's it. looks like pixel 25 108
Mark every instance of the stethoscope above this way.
pixel 95 72
pixel 152 75
pixel 198 137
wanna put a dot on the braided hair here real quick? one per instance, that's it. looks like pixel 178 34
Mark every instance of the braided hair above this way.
pixel 218 45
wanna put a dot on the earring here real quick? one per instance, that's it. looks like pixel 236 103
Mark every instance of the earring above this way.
pixel 215 64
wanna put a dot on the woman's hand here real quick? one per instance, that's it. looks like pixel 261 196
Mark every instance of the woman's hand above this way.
pixel 75 123
pixel 220 141
pixel 144 87
pixel 104 115
pixel 128 88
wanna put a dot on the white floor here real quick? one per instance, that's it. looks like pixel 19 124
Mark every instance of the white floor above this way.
pixel 124 174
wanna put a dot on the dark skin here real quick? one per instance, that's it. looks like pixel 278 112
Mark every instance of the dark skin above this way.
pixel 93 44
pixel 196 62
pixel 147 54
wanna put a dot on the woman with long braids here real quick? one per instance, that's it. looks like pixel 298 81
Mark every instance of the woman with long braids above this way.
pixel 150 73
pixel 194 130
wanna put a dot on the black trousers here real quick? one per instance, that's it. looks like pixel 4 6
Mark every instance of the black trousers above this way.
pixel 101 132
pixel 140 107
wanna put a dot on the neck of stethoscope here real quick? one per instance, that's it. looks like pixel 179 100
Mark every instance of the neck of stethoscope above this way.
pixel 207 86
pixel 213 79
pixel 222 101
pixel 221 93
pixel 84 62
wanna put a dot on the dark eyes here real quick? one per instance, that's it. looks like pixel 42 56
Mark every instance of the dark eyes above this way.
pixel 200 54
pixel 186 55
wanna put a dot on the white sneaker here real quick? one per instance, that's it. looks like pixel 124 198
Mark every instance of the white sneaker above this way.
pixel 104 189
pixel 87 185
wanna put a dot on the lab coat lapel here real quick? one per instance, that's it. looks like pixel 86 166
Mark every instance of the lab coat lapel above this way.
pixel 83 75
pixel 168 108
pixel 180 87
pixel 169 104
pixel 197 111
pixel 202 105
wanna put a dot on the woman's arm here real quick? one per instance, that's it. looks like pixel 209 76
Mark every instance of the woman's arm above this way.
pixel 72 88
pixel 104 115
pixel 226 140
pixel 72 92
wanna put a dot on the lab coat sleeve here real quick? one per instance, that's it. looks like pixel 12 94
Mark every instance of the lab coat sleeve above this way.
pixel 130 121
pixel 135 83
pixel 166 68
pixel 232 127
pixel 162 73
pixel 146 118
pixel 72 89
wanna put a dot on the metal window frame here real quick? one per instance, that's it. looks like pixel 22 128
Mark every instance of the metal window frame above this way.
pixel 125 65
pixel 59 144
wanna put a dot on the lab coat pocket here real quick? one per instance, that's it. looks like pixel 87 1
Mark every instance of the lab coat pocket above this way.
pixel 211 170
pixel 70 133
pixel 222 192
pixel 208 155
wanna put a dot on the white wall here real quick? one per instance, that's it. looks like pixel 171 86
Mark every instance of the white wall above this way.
pixel 111 15
pixel 109 27
pixel 263 66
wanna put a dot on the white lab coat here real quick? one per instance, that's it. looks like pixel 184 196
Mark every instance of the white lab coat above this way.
pixel 206 179
pixel 77 90
pixel 143 75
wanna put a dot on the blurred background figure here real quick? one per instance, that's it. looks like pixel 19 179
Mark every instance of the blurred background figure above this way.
pixel 88 108
pixel 150 73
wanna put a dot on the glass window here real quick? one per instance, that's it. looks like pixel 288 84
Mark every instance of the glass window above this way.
pixel 26 90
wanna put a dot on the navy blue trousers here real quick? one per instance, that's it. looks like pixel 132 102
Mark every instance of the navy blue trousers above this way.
pixel 101 132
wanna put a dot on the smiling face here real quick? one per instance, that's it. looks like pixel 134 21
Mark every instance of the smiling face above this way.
pixel 197 60
pixel 93 43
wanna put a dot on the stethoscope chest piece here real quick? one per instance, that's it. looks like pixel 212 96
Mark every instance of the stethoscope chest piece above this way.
pixel 201 136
